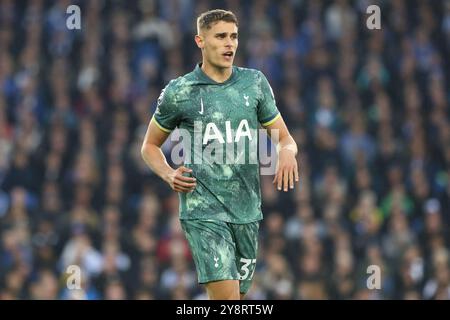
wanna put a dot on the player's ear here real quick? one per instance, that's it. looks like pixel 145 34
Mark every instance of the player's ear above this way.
pixel 199 41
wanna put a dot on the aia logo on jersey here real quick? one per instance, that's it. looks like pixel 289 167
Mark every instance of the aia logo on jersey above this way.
pixel 213 133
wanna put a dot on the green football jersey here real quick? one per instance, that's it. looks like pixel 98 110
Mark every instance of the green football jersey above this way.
pixel 219 123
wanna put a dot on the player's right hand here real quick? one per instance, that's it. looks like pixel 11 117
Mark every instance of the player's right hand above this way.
pixel 180 183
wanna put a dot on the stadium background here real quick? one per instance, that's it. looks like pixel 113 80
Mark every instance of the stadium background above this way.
pixel 368 109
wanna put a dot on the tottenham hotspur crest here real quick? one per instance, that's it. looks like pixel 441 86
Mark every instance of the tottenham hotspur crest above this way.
pixel 246 100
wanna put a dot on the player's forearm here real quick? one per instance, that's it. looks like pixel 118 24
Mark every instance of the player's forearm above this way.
pixel 287 143
pixel 155 159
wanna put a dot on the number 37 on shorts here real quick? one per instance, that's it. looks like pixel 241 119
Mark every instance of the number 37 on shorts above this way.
pixel 246 266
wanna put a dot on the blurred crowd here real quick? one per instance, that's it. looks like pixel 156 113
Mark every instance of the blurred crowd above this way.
pixel 369 110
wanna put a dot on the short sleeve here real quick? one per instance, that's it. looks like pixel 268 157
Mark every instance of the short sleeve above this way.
pixel 267 108
pixel 167 114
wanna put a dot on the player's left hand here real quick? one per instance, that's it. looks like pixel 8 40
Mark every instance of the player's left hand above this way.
pixel 287 170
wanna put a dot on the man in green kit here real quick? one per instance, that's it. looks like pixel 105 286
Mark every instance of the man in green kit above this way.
pixel 220 200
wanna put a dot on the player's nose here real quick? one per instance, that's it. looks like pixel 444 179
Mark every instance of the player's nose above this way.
pixel 228 42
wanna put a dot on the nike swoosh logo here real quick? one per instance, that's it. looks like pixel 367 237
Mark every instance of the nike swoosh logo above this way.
pixel 201 106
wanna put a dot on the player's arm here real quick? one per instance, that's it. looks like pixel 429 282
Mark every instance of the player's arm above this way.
pixel 154 157
pixel 287 167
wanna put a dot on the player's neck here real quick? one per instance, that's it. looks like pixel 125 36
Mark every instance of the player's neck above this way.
pixel 217 74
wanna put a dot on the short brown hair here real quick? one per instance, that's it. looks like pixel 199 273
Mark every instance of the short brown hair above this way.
pixel 206 19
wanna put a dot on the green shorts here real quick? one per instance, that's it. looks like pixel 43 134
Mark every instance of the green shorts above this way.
pixel 223 250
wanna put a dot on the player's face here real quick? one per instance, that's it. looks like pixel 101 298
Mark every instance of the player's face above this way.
pixel 220 44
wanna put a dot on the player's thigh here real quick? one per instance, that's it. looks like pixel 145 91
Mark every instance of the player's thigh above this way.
pixel 223 290
pixel 246 240
pixel 213 250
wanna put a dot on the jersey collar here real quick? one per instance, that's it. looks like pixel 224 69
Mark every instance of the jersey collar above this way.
pixel 202 76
